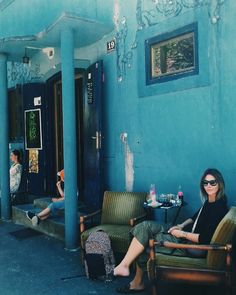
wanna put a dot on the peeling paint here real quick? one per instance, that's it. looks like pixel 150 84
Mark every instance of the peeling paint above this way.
pixel 116 14
pixel 129 164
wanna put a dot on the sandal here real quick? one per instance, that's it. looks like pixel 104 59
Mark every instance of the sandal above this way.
pixel 126 290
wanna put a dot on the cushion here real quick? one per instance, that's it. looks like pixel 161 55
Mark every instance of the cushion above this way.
pixel 179 261
pixel 223 235
pixel 119 235
pixel 120 207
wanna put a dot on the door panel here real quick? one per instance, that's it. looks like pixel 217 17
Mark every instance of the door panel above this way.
pixel 37 181
pixel 92 136
pixel 58 127
pixel 79 125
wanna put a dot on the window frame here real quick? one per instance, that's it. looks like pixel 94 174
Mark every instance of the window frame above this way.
pixel 149 43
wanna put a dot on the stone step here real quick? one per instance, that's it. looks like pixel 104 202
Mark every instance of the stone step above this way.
pixel 53 226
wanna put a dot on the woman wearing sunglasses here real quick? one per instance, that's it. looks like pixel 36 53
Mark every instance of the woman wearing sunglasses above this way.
pixel 197 229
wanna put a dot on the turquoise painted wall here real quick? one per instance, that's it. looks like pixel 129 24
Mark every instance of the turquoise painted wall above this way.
pixel 179 129
pixel 175 130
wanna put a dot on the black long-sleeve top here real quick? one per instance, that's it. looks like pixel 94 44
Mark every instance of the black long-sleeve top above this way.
pixel 209 218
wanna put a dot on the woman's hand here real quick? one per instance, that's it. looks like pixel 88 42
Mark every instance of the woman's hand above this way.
pixel 177 233
pixel 54 199
pixel 178 226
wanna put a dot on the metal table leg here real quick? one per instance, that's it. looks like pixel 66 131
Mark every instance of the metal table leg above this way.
pixel 166 216
pixel 177 215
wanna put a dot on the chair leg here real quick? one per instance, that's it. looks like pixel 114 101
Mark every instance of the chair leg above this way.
pixel 154 288
pixel 82 256
pixel 228 290
pixel 228 285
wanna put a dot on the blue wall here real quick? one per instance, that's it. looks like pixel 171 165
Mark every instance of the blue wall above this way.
pixel 175 130
pixel 179 129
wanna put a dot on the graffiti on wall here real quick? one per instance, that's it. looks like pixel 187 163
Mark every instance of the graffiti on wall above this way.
pixel 124 54
pixel 5 3
pixel 150 13
pixel 19 73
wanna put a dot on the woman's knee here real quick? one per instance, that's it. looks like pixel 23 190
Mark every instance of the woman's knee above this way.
pixel 151 228
pixel 150 225
pixel 145 224
pixel 145 227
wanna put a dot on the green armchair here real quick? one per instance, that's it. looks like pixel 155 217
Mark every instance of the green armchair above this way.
pixel 215 269
pixel 120 211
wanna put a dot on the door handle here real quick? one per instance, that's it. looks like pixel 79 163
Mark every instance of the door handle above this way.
pixel 98 139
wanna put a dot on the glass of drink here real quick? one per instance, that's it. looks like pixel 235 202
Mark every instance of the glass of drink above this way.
pixel 162 198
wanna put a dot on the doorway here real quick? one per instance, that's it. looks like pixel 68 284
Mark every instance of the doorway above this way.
pixel 58 128
pixel 89 104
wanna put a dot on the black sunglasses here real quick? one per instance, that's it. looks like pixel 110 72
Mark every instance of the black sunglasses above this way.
pixel 212 182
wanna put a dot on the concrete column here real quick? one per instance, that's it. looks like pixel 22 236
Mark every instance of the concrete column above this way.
pixel 69 138
pixel 4 141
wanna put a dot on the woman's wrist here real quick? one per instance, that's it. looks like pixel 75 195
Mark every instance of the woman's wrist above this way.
pixel 180 226
pixel 184 234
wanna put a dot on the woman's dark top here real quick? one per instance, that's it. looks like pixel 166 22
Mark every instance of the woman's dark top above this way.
pixel 209 218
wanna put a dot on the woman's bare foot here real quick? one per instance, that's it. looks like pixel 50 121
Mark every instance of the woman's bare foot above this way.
pixel 121 270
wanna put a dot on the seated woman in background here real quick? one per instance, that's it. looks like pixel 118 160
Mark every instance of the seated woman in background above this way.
pixel 15 171
pixel 57 204
pixel 197 229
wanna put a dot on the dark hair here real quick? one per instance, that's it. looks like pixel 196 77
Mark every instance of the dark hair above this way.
pixel 17 153
pixel 220 180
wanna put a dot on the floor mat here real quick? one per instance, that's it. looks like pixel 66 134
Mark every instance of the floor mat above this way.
pixel 25 233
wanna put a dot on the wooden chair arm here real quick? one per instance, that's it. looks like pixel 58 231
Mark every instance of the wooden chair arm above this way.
pixel 133 221
pixel 89 216
pixel 192 246
pixel 86 217
pixel 153 243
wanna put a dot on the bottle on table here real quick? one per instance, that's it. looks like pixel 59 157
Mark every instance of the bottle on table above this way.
pixel 152 193
pixel 152 196
pixel 180 195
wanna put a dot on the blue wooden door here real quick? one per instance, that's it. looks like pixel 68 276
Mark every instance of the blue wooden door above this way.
pixel 38 157
pixel 92 136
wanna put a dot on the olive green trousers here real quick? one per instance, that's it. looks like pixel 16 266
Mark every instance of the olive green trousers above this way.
pixel 147 230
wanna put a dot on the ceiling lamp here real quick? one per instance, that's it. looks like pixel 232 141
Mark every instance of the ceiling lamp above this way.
pixel 25 58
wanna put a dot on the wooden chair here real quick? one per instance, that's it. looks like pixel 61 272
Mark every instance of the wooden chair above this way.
pixel 120 212
pixel 215 269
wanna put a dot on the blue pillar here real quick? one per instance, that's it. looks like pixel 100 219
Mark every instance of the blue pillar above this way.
pixel 69 138
pixel 4 141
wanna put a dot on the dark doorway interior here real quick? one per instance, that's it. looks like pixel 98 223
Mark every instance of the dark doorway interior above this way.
pixel 55 88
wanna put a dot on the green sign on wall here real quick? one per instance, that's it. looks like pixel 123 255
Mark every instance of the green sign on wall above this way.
pixel 33 129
